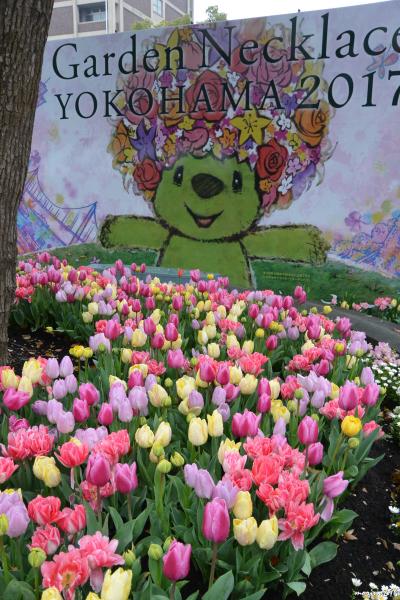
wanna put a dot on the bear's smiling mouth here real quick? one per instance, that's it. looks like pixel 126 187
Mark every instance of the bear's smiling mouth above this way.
pixel 201 221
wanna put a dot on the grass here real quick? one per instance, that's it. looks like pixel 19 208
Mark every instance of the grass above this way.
pixel 320 281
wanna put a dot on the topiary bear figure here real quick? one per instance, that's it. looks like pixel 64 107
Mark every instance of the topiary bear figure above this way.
pixel 210 174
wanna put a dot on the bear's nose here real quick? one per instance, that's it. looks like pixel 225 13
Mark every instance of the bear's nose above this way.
pixel 207 186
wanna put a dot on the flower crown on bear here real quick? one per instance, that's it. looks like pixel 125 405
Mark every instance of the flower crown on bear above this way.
pixel 285 146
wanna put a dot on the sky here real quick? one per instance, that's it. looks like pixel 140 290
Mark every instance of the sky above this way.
pixel 239 9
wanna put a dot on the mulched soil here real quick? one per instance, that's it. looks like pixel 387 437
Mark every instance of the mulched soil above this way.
pixel 372 548
pixel 25 344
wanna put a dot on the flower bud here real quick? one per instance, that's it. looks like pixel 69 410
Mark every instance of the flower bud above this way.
pixel 3 524
pixel 164 466
pixel 177 459
pixel 129 557
pixel 353 443
pixel 155 551
pixel 36 557
pixel 167 543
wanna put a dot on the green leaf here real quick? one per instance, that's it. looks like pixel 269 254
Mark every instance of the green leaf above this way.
pixel 139 523
pixel 256 595
pixel 222 588
pixel 92 524
pixel 18 590
pixel 297 586
pixel 323 553
pixel 116 517
pixel 306 568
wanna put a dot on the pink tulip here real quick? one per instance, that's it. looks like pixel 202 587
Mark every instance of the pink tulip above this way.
pixel 271 343
pixel 245 424
pixel 135 379
pixel 171 332
pixel 370 394
pixel 348 396
pixel 223 376
pixel 174 319
pixel 89 393
pixel 105 416
pixel 65 422
pixel 216 522
pixel 263 387
pixel 149 326
pixel 157 341
pixel 177 303
pixel 264 403
pixel 112 329
pixel 253 311
pixel 150 303
pixel 125 477
pixel 14 400
pixel 176 359
pixel 207 372
pixel 307 431
pixel 334 485
pixel 71 384
pixel 176 562
pixel 59 389
pixel 315 453
pixel 80 410
pixel 98 470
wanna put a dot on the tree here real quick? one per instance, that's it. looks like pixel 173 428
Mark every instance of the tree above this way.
pixel 24 26
pixel 147 24
pixel 214 15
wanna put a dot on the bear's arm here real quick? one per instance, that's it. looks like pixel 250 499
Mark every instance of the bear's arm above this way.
pixel 133 232
pixel 290 242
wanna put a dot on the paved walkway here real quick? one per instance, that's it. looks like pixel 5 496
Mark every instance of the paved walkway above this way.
pixel 378 330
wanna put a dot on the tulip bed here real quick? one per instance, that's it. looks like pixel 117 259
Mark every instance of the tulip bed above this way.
pixel 198 444
pixel 383 307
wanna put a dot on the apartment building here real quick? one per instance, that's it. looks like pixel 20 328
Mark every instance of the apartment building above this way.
pixel 93 17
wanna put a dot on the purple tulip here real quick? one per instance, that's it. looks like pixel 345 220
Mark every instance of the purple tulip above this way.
pixel 224 411
pixel 59 389
pixel 52 368
pixel 139 401
pixel 71 384
pixel 227 491
pixel 125 412
pixel 333 486
pixel 219 396
pixel 65 422
pixel 13 507
pixel 367 376
pixel 280 427
pixel 195 400
pixel 204 484
pixel 66 367
pixel 54 410
pixel 190 474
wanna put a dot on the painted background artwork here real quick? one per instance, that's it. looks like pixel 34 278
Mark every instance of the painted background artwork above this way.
pixel 266 139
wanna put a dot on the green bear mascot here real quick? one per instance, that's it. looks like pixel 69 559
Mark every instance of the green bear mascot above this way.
pixel 211 174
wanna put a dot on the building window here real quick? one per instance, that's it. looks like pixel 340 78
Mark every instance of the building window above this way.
pixel 92 12
pixel 158 7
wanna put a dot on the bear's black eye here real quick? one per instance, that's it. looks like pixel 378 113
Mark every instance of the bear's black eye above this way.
pixel 178 176
pixel 236 182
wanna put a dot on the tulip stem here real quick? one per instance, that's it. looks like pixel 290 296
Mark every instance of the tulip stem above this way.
pixel 172 591
pixel 213 563
pixel 338 444
pixel 128 499
pixel 3 555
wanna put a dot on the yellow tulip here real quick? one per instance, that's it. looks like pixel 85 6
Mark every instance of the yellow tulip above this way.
pixel 138 338
pixel 248 384
pixel 351 426
pixel 92 596
pixel 93 308
pixel 275 388
pixel 267 533
pixel 198 431
pixel 243 507
pixel 157 394
pixel 215 424
pixel 126 355
pixel 9 379
pixel 51 593
pixel 32 370
pixel 227 446
pixel 235 375
pixel 210 319
pixel 211 331
pixel 245 531
pixel 25 385
pixel 87 317
pixel 163 434
pixel 221 310
pixel 248 346
pixel 144 437
pixel 281 412
pixel 232 341
pixel 184 385
pixel 213 350
pixel 117 585
pixel 202 337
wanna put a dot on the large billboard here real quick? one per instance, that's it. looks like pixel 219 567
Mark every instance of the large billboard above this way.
pixel 220 145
